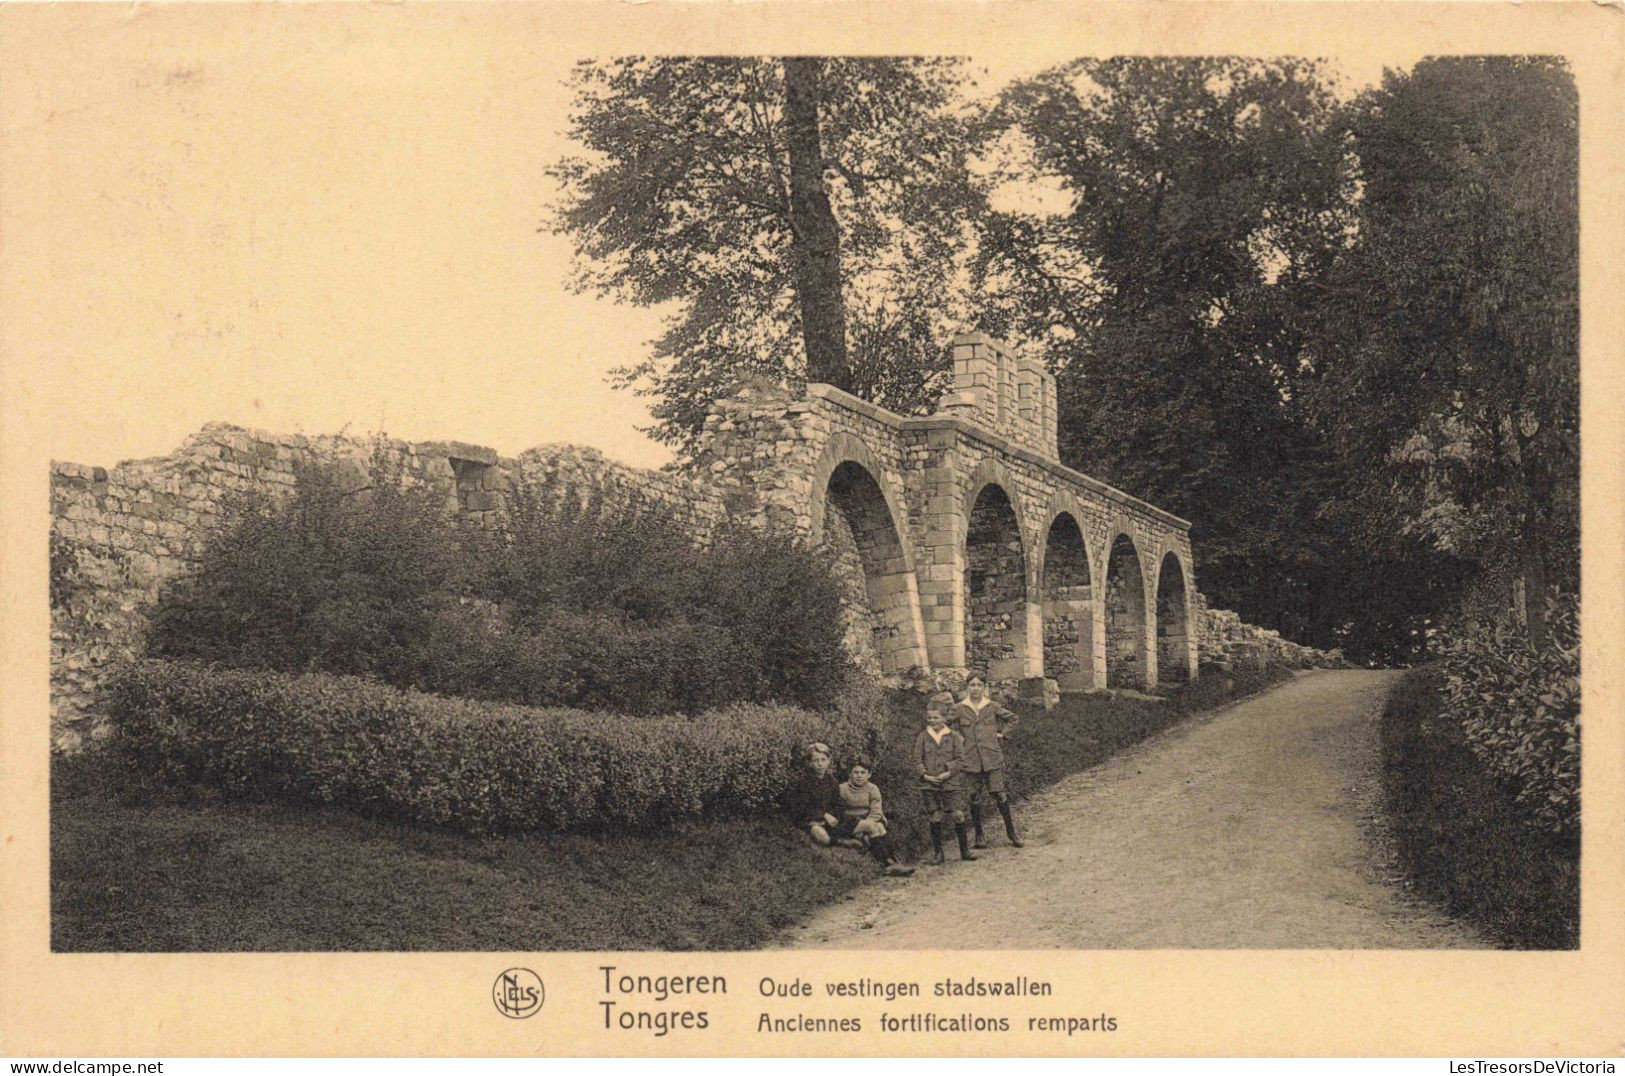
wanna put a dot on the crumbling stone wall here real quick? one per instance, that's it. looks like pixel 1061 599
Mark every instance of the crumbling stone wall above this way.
pixel 960 540
pixel 119 533
pixel 1227 642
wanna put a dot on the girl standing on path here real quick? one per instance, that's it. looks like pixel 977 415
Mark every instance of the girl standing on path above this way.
pixel 983 723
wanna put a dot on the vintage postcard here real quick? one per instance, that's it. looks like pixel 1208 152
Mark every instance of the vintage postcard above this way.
pixel 820 529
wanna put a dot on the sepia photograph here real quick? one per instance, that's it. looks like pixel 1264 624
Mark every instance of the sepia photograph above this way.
pixel 524 495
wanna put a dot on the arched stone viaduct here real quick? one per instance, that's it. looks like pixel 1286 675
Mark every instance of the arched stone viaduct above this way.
pixel 976 548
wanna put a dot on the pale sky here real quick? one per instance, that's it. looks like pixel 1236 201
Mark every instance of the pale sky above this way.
pixel 252 221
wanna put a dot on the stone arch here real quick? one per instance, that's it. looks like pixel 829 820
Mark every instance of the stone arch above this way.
pixel 844 448
pixel 855 517
pixel 1175 632
pixel 998 609
pixel 1128 655
pixel 1067 603
pixel 991 471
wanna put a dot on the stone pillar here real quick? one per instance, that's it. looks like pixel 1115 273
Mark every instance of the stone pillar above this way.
pixel 1035 426
pixel 977 362
pixel 1007 418
pixel 1150 639
pixel 939 558
pixel 1034 655
pixel 1097 634
pixel 912 654
pixel 1195 613
pixel 1049 435
pixel 1029 405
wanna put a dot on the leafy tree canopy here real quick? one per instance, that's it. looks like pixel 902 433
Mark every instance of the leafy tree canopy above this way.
pixel 1449 333
pixel 1206 195
pixel 682 196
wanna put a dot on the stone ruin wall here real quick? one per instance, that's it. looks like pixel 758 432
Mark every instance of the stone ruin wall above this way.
pixel 760 449
pixel 125 530
pixel 1225 641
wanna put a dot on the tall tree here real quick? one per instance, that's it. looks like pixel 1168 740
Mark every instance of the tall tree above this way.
pixel 1449 336
pixel 815 237
pixel 804 217
pixel 1206 195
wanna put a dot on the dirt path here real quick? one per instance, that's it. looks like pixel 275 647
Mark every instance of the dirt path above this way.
pixel 1245 830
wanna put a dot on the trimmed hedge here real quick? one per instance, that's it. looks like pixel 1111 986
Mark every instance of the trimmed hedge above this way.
pixel 459 764
pixel 1461 831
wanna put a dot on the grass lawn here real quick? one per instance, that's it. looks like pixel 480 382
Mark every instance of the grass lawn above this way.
pixel 132 873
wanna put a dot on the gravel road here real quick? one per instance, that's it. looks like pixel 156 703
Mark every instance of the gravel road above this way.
pixel 1250 828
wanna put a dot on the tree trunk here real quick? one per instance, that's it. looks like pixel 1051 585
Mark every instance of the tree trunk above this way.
pixel 816 238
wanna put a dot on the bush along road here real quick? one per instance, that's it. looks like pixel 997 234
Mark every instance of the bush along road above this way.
pixel 1254 828
pixel 207 855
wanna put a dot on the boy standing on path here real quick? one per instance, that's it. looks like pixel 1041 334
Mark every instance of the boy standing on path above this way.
pixel 940 753
pixel 984 723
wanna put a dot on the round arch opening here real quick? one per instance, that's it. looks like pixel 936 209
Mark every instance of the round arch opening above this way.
pixel 995 588
pixel 1173 623
pixel 879 596
pixel 1068 607
pixel 1125 617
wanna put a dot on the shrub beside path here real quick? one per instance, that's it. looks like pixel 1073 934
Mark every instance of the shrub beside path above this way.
pixel 1251 828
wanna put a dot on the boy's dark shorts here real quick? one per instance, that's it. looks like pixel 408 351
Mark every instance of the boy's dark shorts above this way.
pixel 986 781
pixel 946 800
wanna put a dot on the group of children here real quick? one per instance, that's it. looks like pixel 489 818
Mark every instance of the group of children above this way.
pixel 960 752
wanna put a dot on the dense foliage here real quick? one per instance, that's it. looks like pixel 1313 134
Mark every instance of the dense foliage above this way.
pixel 578 602
pixel 454 763
pixel 1461 832
pixel 137 868
pixel 1448 353
pixel 1336 334
pixel 1517 706
pixel 1205 198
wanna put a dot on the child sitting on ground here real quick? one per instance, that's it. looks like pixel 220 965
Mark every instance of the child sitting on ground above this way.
pixel 863 817
pixel 940 753
pixel 814 798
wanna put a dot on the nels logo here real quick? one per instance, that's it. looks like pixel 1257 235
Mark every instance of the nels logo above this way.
pixel 518 993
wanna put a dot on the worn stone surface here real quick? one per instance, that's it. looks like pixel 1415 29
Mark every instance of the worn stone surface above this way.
pixel 1225 641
